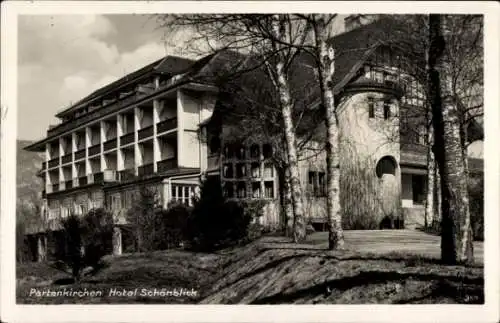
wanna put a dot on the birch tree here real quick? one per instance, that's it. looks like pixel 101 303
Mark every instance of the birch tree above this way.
pixel 456 234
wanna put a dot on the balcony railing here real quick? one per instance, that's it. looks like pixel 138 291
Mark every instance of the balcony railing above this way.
pixel 126 174
pixel 145 132
pixel 80 154
pixel 147 169
pixel 82 180
pixel 94 150
pixel 166 125
pixel 75 182
pixel 68 184
pixel 110 175
pixel 126 139
pixel 67 158
pixel 166 164
pixel 110 144
pixel 55 187
pixel 145 89
pixel 54 162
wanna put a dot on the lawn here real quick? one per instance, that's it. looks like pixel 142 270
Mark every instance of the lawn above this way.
pixel 376 267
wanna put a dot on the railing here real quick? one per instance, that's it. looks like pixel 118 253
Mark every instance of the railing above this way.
pixel 54 162
pixel 94 150
pixel 75 182
pixel 110 175
pixel 68 184
pixel 82 180
pixel 145 132
pixel 55 187
pixel 145 170
pixel 126 139
pixel 110 144
pixel 67 158
pixel 166 125
pixel 126 174
pixel 80 154
pixel 166 164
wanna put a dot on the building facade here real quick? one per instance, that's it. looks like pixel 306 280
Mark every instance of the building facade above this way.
pixel 147 128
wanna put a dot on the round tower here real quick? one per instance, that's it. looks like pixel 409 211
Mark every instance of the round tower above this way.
pixel 370 176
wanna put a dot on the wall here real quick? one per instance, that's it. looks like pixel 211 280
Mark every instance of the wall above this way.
pixel 363 142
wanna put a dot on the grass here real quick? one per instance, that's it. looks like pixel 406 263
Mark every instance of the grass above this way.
pixel 272 271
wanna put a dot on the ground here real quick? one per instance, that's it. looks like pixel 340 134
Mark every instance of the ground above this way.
pixel 398 266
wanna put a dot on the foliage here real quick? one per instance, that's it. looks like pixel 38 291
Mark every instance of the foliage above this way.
pixel 87 240
pixel 476 202
pixel 142 219
pixel 170 226
pixel 215 222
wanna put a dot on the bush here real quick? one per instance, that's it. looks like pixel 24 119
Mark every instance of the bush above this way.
pixel 87 239
pixel 476 205
pixel 171 225
pixel 215 223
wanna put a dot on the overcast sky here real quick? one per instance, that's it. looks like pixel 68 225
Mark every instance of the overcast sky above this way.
pixel 63 58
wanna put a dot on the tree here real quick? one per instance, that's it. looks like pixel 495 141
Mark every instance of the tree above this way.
pixel 325 56
pixel 273 41
pixel 456 234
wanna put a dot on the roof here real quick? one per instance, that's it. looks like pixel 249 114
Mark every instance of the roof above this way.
pixel 167 65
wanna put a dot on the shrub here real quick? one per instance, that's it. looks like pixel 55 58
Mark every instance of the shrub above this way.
pixel 170 226
pixel 215 223
pixel 476 205
pixel 87 239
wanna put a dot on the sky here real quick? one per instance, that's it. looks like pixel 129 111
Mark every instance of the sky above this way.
pixel 63 58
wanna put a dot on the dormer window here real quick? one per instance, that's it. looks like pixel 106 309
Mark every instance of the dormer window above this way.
pixel 371 108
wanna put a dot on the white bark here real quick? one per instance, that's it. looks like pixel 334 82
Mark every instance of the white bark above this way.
pixel 326 55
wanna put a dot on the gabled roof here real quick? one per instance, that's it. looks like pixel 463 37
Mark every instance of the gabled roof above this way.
pixel 169 65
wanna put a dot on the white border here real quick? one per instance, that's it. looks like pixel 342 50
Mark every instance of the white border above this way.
pixel 10 312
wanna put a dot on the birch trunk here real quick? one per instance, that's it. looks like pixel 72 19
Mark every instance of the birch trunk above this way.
pixel 456 232
pixel 431 173
pixel 279 31
pixel 326 57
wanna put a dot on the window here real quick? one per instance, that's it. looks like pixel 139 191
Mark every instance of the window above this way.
pixel 387 109
pixel 268 170
pixel 228 151
pixel 240 152
pixel 418 189
pixel 269 189
pixel 255 189
pixel 317 183
pixel 386 165
pixel 241 170
pixel 371 108
pixel 228 190
pixel 255 170
pixel 267 151
pixel 255 151
pixel 241 191
pixel 227 170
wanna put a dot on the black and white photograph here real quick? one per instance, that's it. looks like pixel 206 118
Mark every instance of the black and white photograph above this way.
pixel 253 157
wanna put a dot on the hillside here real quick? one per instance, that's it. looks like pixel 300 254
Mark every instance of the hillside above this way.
pixel 29 186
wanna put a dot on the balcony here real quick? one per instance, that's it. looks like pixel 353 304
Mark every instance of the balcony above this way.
pixel 146 170
pixel 54 162
pixel 67 158
pixel 94 150
pixel 82 180
pixel 68 184
pixel 127 139
pixel 124 101
pixel 80 154
pixel 145 132
pixel 110 175
pixel 99 177
pixel 110 144
pixel 166 125
pixel 126 174
pixel 166 164
pixel 55 187
pixel 44 165
pixel 75 182
pixel 145 89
